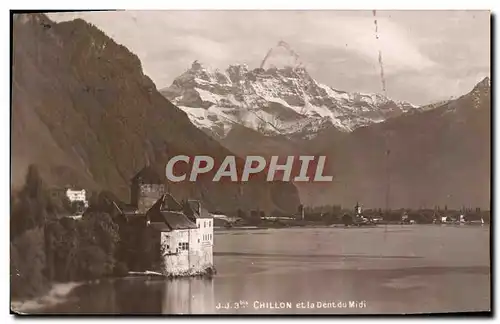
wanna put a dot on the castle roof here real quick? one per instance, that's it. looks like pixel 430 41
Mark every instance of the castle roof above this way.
pixel 148 175
pixel 173 220
pixel 197 210
pixel 127 211
pixel 167 202
pixel 167 215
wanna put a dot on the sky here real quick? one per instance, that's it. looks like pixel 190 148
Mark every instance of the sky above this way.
pixel 427 56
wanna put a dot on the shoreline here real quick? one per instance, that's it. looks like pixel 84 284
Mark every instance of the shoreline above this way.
pixel 221 228
pixel 57 294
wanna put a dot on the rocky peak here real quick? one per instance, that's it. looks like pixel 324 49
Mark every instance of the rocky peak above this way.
pixel 486 81
pixel 481 92
pixel 34 18
pixel 482 88
pixel 484 84
pixel 273 99
pixel 196 66
pixel 237 72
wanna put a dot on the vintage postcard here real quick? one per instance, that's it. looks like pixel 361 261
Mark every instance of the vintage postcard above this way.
pixel 250 162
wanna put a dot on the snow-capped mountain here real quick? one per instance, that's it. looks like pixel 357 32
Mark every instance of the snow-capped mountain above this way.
pixel 274 100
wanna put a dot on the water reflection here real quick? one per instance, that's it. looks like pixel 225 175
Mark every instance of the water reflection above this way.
pixel 188 296
pixel 137 296
pixel 427 269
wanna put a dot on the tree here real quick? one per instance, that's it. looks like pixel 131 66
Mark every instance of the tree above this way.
pixel 46 248
pixel 29 208
pixel 102 202
pixel 62 242
pixel 33 186
pixel 79 206
pixel 97 231
pixel 28 264
pixel 347 220
pixel 92 262
pixel 241 214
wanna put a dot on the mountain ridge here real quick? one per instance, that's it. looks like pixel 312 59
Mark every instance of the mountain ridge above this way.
pixel 273 100
pixel 97 119
pixel 439 156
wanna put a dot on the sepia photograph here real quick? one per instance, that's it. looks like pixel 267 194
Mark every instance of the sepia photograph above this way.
pixel 250 162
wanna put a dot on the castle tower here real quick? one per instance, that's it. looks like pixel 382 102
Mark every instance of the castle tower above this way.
pixel 146 188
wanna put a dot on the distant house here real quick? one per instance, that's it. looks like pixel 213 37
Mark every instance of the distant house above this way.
pixel 77 198
pixel 75 195
pixel 184 231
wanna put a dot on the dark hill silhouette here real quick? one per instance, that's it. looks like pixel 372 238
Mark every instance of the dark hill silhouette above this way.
pixel 438 156
pixel 84 112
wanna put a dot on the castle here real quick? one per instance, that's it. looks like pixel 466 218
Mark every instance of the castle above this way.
pixel 184 231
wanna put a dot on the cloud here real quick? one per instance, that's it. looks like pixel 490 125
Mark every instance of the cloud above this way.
pixel 356 35
pixel 445 49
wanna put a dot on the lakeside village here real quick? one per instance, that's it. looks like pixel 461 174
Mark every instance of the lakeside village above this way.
pixel 182 233
pixel 65 235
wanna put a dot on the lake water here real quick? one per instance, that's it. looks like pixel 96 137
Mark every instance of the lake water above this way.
pixel 388 269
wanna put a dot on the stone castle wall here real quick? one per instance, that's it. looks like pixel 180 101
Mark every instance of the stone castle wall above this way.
pixel 195 260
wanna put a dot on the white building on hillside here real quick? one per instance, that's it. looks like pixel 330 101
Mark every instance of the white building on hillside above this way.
pixel 77 195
